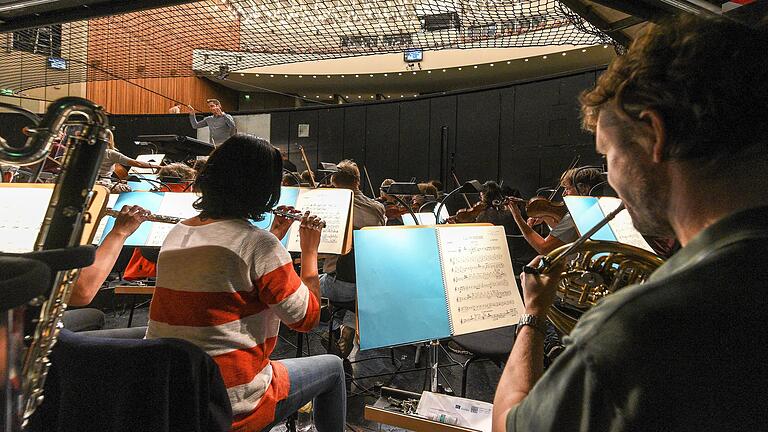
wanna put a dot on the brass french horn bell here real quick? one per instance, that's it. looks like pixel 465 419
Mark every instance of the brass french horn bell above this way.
pixel 595 270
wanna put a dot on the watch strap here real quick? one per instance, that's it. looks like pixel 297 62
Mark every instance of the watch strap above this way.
pixel 538 323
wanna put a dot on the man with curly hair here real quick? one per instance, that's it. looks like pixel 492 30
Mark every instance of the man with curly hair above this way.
pixel 681 120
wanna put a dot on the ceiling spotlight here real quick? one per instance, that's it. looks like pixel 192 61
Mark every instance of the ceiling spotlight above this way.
pixel 257 74
pixel 475 66
pixel 492 65
pixel 357 76
pixel 388 96
pixel 386 74
pixel 583 50
pixel 459 68
pixel 401 95
pixel 371 97
pixel 330 97
pixel 314 76
pixel 443 70
pixel 429 71
pixel 413 73
pixel 526 59
pixel 509 62
pixel 242 74
pixel 285 76
pixel 271 76
pixel 565 53
pixel 342 76
pixel 327 76
pixel 371 75
pixel 399 73
pixel 301 76
pixel 605 46
pixel 317 97
pixel 544 57
pixel 359 97
pixel 415 95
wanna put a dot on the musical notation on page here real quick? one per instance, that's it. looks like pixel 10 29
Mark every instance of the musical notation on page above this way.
pixel 479 281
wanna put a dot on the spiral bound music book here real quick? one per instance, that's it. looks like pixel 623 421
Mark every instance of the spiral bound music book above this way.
pixel 417 284
pixel 587 211
pixel 334 206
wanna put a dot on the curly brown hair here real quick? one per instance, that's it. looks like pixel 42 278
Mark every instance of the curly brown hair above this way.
pixel 706 77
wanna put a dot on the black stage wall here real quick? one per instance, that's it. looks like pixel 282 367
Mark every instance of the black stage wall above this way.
pixel 524 133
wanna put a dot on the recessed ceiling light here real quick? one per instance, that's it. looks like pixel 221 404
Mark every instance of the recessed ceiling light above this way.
pixel 330 97
pixel 317 97
pixel 359 97
pixel 242 74
pixel 314 76
pixel 399 73
pixel 459 68
pixel 370 75
pixel 301 76
pixel 357 76
pixel 286 76
pixel 526 59
pixel 371 97
pixel 342 76
pixel 257 74
pixel 388 96
pixel 492 65
pixel 443 70
pixel 544 57
pixel 401 95
pixel 429 71
pixel 605 46
pixel 565 53
pixel 475 66
pixel 327 76
pixel 509 62
pixel 583 50
pixel 413 73
pixel 415 95
pixel 386 74
pixel 271 76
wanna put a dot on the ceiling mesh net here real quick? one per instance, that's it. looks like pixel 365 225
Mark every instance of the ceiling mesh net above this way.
pixel 221 36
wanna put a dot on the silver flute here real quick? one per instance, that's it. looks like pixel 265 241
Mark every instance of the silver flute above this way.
pixel 174 220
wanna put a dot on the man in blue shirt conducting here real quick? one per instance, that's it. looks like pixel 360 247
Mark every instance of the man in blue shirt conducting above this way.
pixel 221 125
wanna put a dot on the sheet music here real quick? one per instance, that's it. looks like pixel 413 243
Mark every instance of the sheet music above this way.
pixel 332 206
pixel 622 226
pixel 173 204
pixel 22 211
pixel 103 222
pixel 479 281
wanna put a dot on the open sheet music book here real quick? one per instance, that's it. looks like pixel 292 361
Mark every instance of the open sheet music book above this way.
pixel 427 283
pixel 587 211
pixel 334 206
pixel 22 211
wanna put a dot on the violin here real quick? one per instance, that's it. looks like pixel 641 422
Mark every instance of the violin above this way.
pixel 539 207
pixel 468 215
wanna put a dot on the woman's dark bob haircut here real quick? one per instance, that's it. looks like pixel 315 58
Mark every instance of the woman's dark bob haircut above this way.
pixel 240 180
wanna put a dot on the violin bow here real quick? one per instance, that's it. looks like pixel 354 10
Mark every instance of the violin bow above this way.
pixel 306 163
pixel 571 166
pixel 368 179
pixel 456 179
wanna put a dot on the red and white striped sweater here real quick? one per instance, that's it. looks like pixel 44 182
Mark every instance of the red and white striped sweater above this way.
pixel 225 287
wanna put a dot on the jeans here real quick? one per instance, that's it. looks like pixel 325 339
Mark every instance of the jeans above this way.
pixel 319 379
pixel 337 291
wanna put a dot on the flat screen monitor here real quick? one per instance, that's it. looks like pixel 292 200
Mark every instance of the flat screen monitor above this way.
pixel 414 55
pixel 57 63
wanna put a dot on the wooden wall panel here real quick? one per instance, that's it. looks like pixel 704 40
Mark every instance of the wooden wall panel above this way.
pixel 137 97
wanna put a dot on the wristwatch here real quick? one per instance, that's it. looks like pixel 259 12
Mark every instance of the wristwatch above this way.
pixel 538 323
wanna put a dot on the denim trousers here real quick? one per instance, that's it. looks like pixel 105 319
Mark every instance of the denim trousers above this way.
pixel 337 291
pixel 319 379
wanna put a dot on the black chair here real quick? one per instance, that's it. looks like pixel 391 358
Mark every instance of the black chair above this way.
pixel 131 385
pixel 492 345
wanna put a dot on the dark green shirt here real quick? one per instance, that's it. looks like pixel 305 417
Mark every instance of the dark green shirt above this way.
pixel 684 351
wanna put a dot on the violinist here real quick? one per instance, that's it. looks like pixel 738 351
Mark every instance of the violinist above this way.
pixel 393 210
pixel 575 181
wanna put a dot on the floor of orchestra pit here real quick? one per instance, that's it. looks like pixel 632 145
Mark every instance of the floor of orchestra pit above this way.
pixel 481 384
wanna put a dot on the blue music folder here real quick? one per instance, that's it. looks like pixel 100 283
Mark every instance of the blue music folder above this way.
pixel 400 294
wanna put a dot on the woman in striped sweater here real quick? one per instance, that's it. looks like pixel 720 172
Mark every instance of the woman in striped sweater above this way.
pixel 226 285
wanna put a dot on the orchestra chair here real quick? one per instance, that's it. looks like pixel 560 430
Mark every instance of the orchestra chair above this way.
pixel 116 385
pixel 490 345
